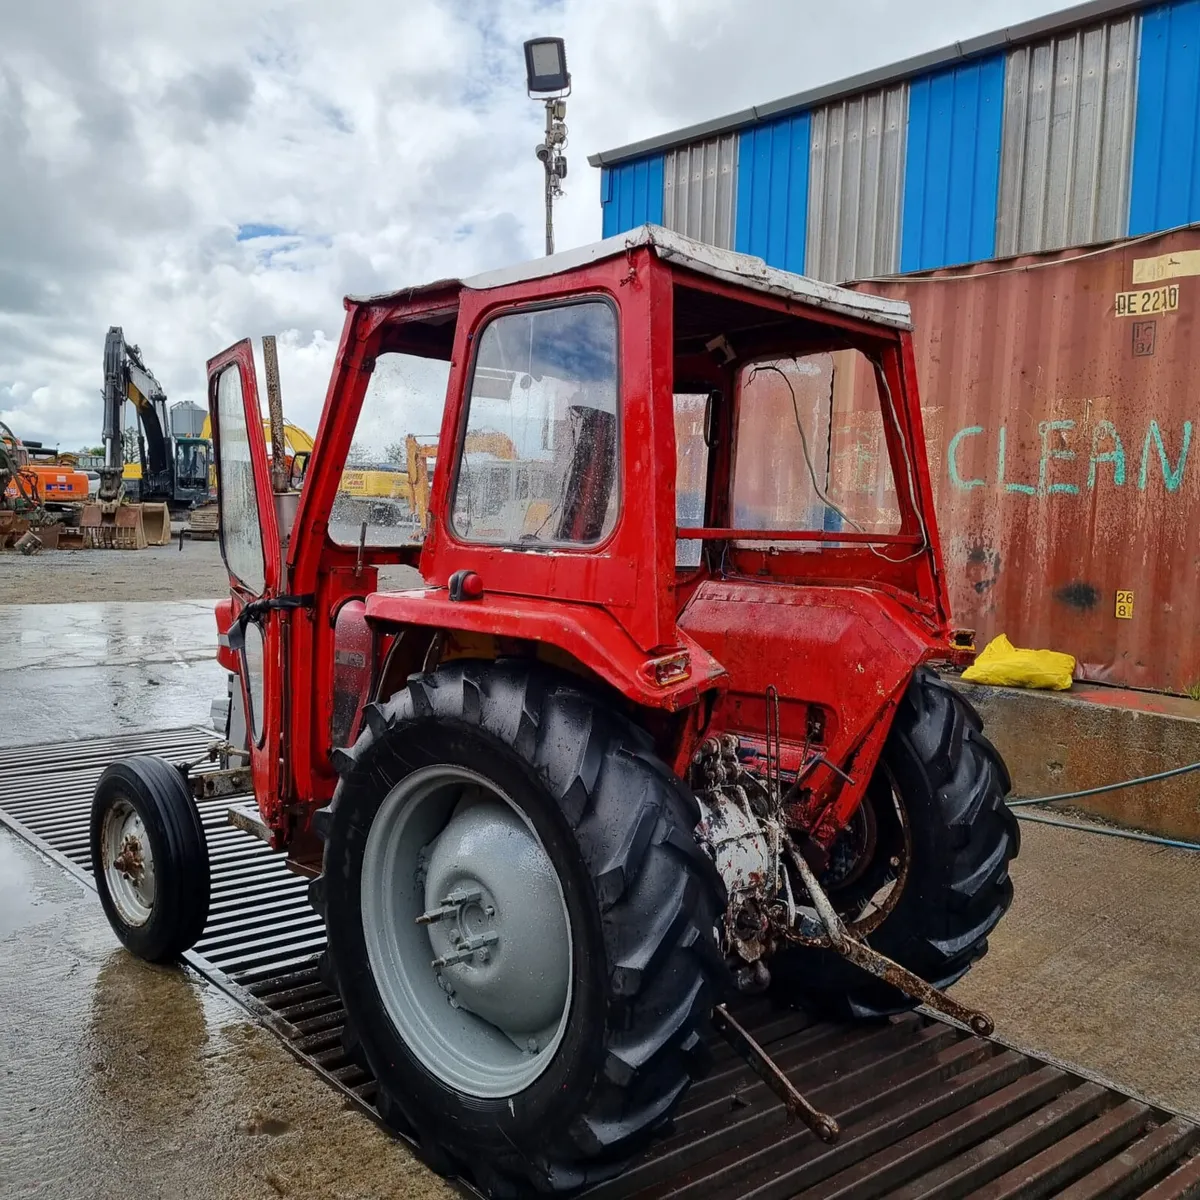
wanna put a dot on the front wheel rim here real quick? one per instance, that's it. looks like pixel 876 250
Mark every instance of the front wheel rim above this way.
pixel 127 861
pixel 467 931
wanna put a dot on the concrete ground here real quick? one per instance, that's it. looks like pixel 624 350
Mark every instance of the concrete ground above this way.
pixel 119 1079
pixel 101 642
pixel 98 669
pixel 156 573
pixel 1098 961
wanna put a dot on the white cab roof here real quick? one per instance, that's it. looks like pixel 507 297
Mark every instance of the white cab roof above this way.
pixel 741 269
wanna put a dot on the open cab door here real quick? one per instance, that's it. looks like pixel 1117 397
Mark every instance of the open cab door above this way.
pixel 250 548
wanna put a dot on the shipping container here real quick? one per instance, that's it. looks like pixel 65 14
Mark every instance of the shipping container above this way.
pixel 1060 394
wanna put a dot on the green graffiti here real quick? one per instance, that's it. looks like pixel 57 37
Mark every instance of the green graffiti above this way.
pixel 1023 488
pixel 1107 447
pixel 1172 478
pixel 1116 456
pixel 1045 428
pixel 952 459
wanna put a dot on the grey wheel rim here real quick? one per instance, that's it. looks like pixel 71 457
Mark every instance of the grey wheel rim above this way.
pixel 467 931
pixel 128 862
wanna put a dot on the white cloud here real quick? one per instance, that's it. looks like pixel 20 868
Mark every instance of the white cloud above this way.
pixel 383 144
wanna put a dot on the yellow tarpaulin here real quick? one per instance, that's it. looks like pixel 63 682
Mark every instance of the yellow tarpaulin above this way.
pixel 1005 665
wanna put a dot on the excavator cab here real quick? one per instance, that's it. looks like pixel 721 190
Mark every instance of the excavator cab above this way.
pixel 191 470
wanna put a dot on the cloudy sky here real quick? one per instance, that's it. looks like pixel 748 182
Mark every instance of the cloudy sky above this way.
pixel 199 172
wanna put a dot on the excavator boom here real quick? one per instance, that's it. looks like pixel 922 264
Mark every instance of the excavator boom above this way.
pixel 170 471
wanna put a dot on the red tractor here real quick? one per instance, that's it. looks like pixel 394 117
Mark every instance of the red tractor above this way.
pixel 656 724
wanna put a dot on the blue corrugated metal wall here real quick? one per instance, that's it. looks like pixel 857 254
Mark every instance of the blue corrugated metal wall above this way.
pixel 1166 167
pixel 952 173
pixel 632 194
pixel 952 162
pixel 772 192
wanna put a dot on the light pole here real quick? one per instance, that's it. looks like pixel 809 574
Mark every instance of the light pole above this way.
pixel 546 75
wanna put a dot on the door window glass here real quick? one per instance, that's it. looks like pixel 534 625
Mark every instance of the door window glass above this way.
pixel 691 471
pixel 241 533
pixel 252 677
pixel 389 469
pixel 811 452
pixel 539 460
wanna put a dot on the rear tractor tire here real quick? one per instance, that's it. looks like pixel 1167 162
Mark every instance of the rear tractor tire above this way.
pixel 520 924
pixel 942 833
pixel 150 858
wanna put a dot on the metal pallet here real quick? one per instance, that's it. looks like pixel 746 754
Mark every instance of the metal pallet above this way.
pixel 927 1109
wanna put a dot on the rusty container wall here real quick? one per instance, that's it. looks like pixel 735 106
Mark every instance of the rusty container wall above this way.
pixel 1060 437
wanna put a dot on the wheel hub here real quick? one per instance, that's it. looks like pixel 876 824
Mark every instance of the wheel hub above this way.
pixel 466 931
pixel 128 863
pixel 495 920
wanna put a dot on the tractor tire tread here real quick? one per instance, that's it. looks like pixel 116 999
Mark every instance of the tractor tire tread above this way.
pixel 657 907
pixel 182 876
pixel 953 782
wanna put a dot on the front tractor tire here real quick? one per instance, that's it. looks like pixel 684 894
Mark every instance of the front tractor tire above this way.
pixel 150 857
pixel 940 776
pixel 520 924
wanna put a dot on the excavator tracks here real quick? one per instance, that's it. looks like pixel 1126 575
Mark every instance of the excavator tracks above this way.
pixel 927 1110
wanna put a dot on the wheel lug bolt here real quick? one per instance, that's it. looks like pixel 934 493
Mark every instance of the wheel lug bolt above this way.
pixel 489 911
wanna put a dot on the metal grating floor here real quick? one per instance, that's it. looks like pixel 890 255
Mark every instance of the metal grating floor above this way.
pixel 927 1109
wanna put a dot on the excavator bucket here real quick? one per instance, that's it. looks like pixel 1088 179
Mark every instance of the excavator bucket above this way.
pixel 125 526
pixel 156 523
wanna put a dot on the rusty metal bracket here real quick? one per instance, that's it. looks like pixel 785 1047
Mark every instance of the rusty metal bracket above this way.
pixel 211 785
pixel 879 965
pixel 822 1124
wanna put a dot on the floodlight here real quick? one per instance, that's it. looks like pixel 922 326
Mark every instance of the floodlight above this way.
pixel 546 66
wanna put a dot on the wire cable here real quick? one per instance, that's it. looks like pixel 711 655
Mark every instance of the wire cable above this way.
pixel 1108 831
pixel 1107 787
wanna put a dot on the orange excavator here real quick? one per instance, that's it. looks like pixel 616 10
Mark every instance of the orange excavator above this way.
pixel 34 477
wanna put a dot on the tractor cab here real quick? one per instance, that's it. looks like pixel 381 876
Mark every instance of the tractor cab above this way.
pixel 712 482
pixel 647 721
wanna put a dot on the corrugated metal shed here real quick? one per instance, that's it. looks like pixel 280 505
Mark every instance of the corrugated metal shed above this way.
pixel 772 192
pixel 953 165
pixel 856 165
pixel 1072 129
pixel 1068 136
pixel 632 194
pixel 1090 13
pixel 1061 444
pixel 1166 158
pixel 699 189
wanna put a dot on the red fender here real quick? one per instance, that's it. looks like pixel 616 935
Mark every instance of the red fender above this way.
pixel 586 632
